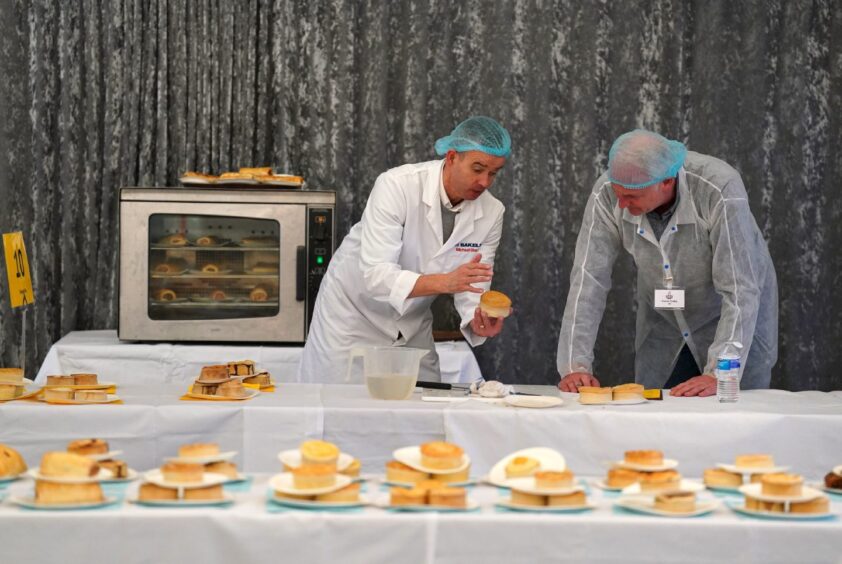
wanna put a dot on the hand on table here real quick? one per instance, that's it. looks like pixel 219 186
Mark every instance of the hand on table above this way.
pixel 484 326
pixel 702 386
pixel 572 381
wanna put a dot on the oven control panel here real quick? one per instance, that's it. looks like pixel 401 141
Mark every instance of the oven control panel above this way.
pixel 320 247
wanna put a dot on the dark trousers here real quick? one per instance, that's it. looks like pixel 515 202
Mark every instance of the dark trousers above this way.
pixel 685 368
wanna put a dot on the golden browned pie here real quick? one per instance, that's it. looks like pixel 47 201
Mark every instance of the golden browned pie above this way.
pixel 150 492
pixel 68 465
pixel 524 498
pixel 754 504
pixel 521 466
pixel 621 477
pixel 232 389
pixel 568 500
pixel 10 391
pixel 88 446
pixel 644 457
pixel 312 476
pixel 256 170
pixel 90 395
pixel 716 477
pixel 676 502
pixel 61 380
pixel 553 479
pixel 441 455
pixel 11 376
pixel 223 467
pixel 348 494
pixel 210 493
pixel 495 304
pixel 627 392
pixel 665 480
pixel 407 496
pixel 781 484
pixel 11 462
pixel 59 493
pixel 448 497
pixel 818 505
pixel 403 474
pixel 592 395
pixel 214 373
pixel 218 295
pixel 194 450
pixel 430 484
pixel 241 368
pixel 164 295
pixel 118 467
pixel 53 394
pixel 754 461
pixel 186 472
pixel 236 176
pixel 319 452
pixel 453 477
pixel 85 379
pixel 211 268
pixel 259 294
pixel 174 240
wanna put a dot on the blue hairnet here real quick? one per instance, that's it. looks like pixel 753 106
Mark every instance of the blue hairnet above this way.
pixel 477 133
pixel 641 158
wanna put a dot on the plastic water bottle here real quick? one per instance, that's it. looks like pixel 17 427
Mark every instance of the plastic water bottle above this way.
pixel 728 373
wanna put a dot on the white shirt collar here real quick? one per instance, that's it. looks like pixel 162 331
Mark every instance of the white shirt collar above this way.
pixel 445 200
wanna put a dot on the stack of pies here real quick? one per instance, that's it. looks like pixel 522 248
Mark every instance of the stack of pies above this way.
pixel 445 462
pixel 74 388
pixel 11 383
pixel 429 492
pixel 316 452
pixel 184 479
pixel 633 469
pixel 318 471
pixel 590 395
pixel 211 453
pixel 226 380
pixel 262 174
pixel 73 380
pixel 732 476
pixel 250 375
pixel 549 488
pixel 785 493
pixel 11 462
pixel 67 478
pixel 95 448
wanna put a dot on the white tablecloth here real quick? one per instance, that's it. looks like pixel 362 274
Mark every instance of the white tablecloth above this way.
pixel 101 352
pixel 248 532
pixel 801 429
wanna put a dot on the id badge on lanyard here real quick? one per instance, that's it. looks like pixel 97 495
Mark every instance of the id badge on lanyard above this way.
pixel 669 296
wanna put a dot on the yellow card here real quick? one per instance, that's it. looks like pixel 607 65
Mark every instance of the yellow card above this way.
pixel 17 268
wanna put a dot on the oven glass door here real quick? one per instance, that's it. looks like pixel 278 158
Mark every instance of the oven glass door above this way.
pixel 208 267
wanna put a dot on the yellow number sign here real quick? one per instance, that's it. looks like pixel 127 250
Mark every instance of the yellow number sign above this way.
pixel 17 267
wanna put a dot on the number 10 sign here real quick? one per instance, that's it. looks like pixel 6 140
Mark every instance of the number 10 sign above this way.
pixel 17 268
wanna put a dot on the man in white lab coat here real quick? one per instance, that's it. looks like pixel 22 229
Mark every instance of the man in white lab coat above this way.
pixel 428 228
pixel 704 275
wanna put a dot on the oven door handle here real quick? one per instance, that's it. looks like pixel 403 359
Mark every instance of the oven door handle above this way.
pixel 300 272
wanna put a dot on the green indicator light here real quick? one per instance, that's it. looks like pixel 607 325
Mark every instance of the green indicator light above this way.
pixel 320 260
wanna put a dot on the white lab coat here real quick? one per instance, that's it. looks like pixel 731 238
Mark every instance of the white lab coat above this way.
pixel 714 250
pixel 363 299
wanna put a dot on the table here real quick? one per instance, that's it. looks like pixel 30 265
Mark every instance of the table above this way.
pixel 248 532
pixel 802 429
pixel 101 352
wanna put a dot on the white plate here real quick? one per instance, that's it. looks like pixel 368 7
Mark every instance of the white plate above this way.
pixel 226 500
pixel 30 503
pixel 668 464
pixel 746 470
pixel 737 507
pixel 546 508
pixel 755 491
pixel 533 401
pixel 292 458
pixel 250 393
pixel 8 479
pixel 684 486
pixel 411 456
pixel 208 479
pixel 647 506
pixel 104 456
pixel 104 474
pixel 284 483
pixel 110 398
pixel 304 504
pixel 603 486
pixel 550 460
pixel 132 475
pixel 470 505
pixel 527 485
pixel 227 455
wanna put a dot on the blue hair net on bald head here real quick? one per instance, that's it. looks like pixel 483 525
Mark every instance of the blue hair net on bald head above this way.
pixel 641 158
pixel 477 133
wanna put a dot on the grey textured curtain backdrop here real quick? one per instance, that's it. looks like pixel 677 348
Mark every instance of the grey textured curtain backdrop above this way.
pixel 101 94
